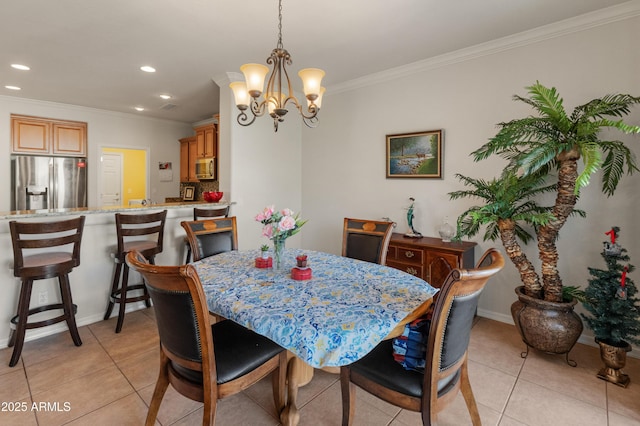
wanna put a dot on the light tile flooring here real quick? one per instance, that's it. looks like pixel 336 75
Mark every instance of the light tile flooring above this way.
pixel 110 378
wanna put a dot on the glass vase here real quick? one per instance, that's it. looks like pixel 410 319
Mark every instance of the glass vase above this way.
pixel 446 231
pixel 278 252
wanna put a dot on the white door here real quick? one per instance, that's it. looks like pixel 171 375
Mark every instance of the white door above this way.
pixel 111 178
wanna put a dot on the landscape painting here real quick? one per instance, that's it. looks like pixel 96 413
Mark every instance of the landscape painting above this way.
pixel 415 155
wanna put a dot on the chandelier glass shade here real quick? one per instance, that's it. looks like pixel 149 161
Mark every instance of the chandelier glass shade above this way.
pixel 279 92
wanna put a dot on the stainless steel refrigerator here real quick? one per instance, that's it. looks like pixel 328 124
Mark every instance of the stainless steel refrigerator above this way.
pixel 48 182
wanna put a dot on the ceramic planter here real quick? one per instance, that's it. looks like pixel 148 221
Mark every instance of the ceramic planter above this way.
pixel 551 327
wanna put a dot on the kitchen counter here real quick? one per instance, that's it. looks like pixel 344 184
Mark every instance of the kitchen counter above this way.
pixel 23 214
pixel 91 280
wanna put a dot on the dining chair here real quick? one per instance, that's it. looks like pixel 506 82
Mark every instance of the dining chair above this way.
pixel 201 361
pixel 44 250
pixel 142 232
pixel 366 240
pixel 445 372
pixel 211 236
pixel 199 214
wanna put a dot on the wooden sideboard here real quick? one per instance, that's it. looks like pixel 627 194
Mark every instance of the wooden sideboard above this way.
pixel 429 258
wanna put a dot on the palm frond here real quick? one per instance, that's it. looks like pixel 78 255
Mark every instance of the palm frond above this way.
pixel 531 161
pixel 549 104
pixel 619 125
pixel 613 166
pixel 616 105
pixel 592 159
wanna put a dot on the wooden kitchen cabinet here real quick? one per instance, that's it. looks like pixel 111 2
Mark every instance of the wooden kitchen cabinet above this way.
pixel 188 155
pixel 69 138
pixel 206 141
pixel 429 258
pixel 44 136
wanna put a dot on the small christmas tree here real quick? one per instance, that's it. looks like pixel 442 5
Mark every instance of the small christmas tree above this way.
pixel 615 313
pixel 611 297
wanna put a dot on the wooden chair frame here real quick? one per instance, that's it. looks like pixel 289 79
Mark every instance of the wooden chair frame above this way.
pixel 459 283
pixel 368 227
pixel 198 228
pixel 200 214
pixel 181 279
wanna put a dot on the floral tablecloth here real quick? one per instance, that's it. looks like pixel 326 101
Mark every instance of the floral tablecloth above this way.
pixel 333 319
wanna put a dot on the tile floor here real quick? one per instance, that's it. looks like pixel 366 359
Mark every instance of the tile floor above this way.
pixel 110 378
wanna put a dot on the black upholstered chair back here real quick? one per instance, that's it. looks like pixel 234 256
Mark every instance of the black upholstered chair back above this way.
pixel 211 236
pixel 458 323
pixel 452 319
pixel 177 322
pixel 366 240
pixel 181 320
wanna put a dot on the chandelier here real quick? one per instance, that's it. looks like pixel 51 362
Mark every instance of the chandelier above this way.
pixel 279 92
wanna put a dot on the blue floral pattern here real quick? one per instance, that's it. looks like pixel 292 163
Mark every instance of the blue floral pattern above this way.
pixel 333 319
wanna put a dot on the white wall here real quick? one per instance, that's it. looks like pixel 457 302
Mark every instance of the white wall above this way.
pixel 105 128
pixel 258 168
pixel 343 160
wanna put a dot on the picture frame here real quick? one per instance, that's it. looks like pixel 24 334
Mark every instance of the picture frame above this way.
pixel 189 193
pixel 415 155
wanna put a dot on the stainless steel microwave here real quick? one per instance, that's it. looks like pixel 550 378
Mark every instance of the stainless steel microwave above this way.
pixel 206 168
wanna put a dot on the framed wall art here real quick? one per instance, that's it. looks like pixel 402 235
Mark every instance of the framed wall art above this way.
pixel 415 155
pixel 189 193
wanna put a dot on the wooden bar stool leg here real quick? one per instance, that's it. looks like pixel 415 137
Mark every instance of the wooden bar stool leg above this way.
pixel 69 309
pixel 123 297
pixel 17 337
pixel 114 288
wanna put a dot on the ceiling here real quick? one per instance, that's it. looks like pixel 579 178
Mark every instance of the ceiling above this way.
pixel 88 52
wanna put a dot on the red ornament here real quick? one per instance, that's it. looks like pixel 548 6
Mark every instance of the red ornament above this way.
pixel 612 233
pixel 621 293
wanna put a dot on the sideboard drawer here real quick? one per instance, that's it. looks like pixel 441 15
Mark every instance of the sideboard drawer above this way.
pixel 413 269
pixel 406 254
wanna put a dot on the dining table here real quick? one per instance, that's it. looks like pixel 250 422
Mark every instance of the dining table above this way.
pixel 336 315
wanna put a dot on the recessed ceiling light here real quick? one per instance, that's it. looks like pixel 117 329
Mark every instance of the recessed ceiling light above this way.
pixel 139 109
pixel 12 87
pixel 20 67
pixel 165 97
pixel 147 68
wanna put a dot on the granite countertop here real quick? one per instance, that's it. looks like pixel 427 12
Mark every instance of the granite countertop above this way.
pixel 107 209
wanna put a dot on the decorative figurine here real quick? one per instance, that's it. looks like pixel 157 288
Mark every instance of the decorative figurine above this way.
pixel 413 233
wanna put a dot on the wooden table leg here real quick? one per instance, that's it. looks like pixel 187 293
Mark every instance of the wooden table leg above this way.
pixel 290 415
pixel 299 374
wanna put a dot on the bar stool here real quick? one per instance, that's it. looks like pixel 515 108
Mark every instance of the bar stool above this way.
pixel 199 214
pixel 135 232
pixel 44 250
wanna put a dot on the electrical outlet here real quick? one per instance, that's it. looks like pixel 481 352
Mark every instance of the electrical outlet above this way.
pixel 43 298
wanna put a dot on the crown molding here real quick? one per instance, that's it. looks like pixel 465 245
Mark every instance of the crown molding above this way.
pixel 576 24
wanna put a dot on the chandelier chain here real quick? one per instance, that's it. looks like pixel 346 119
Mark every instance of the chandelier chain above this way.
pixel 279 24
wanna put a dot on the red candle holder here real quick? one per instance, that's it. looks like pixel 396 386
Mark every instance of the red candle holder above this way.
pixel 301 260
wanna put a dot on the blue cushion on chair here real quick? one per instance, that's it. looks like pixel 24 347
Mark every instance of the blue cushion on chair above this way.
pixel 409 349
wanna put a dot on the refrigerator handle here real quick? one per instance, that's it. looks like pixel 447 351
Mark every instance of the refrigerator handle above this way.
pixel 53 184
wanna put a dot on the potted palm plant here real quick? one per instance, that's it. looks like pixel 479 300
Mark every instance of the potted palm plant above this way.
pixel 537 148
